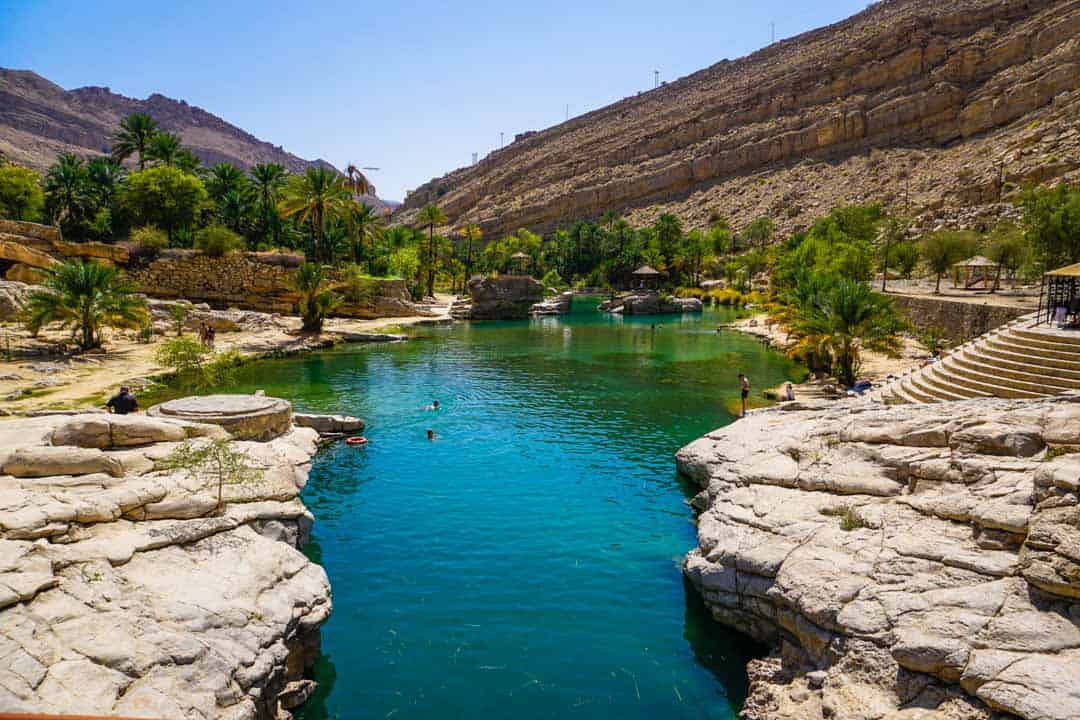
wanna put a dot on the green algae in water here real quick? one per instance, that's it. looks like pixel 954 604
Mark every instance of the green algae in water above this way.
pixel 526 563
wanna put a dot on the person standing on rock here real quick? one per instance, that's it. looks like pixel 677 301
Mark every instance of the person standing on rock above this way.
pixel 744 391
pixel 123 402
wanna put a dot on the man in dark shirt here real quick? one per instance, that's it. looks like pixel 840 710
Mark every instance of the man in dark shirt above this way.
pixel 123 402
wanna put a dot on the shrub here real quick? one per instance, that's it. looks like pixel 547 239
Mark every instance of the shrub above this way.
pixel 358 287
pixel 148 240
pixel 904 257
pixel 552 282
pixel 197 367
pixel 217 241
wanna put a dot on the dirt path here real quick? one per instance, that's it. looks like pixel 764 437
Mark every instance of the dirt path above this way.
pixel 87 379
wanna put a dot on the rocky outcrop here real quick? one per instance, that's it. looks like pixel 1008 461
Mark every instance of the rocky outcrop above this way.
pixel 650 303
pixel 499 297
pixel 913 103
pixel 557 305
pixel 246 417
pixel 12 297
pixel 917 561
pixel 329 424
pixel 127 590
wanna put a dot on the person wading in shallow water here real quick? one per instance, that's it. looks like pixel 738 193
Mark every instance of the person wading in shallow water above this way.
pixel 123 402
pixel 744 391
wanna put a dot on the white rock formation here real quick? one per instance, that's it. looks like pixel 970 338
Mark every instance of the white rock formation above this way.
pixel 125 590
pixel 905 562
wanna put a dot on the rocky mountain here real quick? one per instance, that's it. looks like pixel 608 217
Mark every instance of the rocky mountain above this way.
pixel 39 120
pixel 938 108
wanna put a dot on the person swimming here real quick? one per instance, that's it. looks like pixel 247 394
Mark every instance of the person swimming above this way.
pixel 433 405
pixel 430 434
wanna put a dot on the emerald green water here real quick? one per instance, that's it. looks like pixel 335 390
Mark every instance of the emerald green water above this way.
pixel 524 564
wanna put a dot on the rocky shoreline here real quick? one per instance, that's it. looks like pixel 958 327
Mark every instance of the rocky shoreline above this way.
pixel 901 562
pixel 126 589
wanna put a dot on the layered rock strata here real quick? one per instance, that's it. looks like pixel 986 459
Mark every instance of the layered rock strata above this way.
pixel 925 106
pixel 126 590
pixel 557 305
pixel 902 562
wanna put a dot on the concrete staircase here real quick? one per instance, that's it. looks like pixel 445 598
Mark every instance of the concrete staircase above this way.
pixel 1016 360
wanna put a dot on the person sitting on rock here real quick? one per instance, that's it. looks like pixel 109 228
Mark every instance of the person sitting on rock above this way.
pixel 123 402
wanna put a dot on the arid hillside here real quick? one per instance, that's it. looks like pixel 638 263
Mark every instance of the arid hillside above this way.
pixel 938 109
pixel 39 120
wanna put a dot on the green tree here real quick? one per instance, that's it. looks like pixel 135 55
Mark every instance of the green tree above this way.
pixel 215 458
pixel 267 181
pixel 314 196
pixel 470 236
pixel 166 197
pixel 223 179
pixel 1008 249
pixel 431 217
pixel 1052 224
pixel 693 252
pixel 21 197
pixel 669 234
pixel 196 367
pixel 894 233
pixel 758 233
pixel 187 161
pixel 317 301
pixel 904 257
pixel 842 318
pixel 366 228
pixel 86 296
pixel 134 136
pixel 164 148
pixel 69 197
pixel 355 182
pixel 942 249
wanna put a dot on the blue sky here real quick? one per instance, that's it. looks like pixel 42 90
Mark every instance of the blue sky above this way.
pixel 412 88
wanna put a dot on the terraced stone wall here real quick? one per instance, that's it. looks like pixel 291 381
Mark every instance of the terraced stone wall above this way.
pixel 958 321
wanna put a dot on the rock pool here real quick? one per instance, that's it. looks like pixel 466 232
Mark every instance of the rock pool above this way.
pixel 525 563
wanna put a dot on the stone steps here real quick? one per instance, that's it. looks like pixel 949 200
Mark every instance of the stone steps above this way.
pixel 1013 361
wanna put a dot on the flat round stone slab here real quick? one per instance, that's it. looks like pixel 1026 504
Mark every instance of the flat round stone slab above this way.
pixel 246 417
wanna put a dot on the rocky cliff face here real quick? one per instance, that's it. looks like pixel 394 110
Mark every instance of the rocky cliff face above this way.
pixel 917 561
pixel 39 120
pixel 910 103
pixel 125 590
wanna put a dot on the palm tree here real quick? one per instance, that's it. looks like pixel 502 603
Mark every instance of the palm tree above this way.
pixel 267 180
pixel 86 296
pixel 365 225
pixel 106 178
pixel 164 148
pixel 356 182
pixel 225 178
pixel 470 234
pixel 430 217
pixel 843 317
pixel 134 136
pixel 316 299
pixel 68 193
pixel 318 193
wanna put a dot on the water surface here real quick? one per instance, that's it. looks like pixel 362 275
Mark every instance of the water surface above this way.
pixel 524 564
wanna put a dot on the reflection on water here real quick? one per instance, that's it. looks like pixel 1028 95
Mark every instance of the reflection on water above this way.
pixel 525 563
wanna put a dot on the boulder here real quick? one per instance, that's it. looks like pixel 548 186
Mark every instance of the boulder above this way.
pixel 558 305
pixel 329 424
pixel 650 303
pixel 23 273
pixel 503 297
pixel 112 431
pixel 245 417
pixel 46 461
pixel 16 252
pixel 116 254
pixel 12 297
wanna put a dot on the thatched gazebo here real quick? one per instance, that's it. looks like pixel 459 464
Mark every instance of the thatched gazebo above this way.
pixel 1059 297
pixel 647 277
pixel 520 261
pixel 975 270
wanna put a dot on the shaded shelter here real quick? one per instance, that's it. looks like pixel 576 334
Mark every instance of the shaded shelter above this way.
pixel 975 270
pixel 1059 297
pixel 647 277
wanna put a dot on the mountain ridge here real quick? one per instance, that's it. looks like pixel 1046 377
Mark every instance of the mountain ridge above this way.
pixel 910 103
pixel 40 119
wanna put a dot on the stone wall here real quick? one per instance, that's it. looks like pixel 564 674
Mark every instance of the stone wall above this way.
pixel 255 281
pixel 958 321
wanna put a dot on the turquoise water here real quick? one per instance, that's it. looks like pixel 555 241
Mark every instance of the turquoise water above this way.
pixel 525 563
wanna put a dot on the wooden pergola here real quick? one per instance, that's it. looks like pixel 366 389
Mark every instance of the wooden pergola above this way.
pixel 976 270
pixel 647 277
pixel 1059 297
